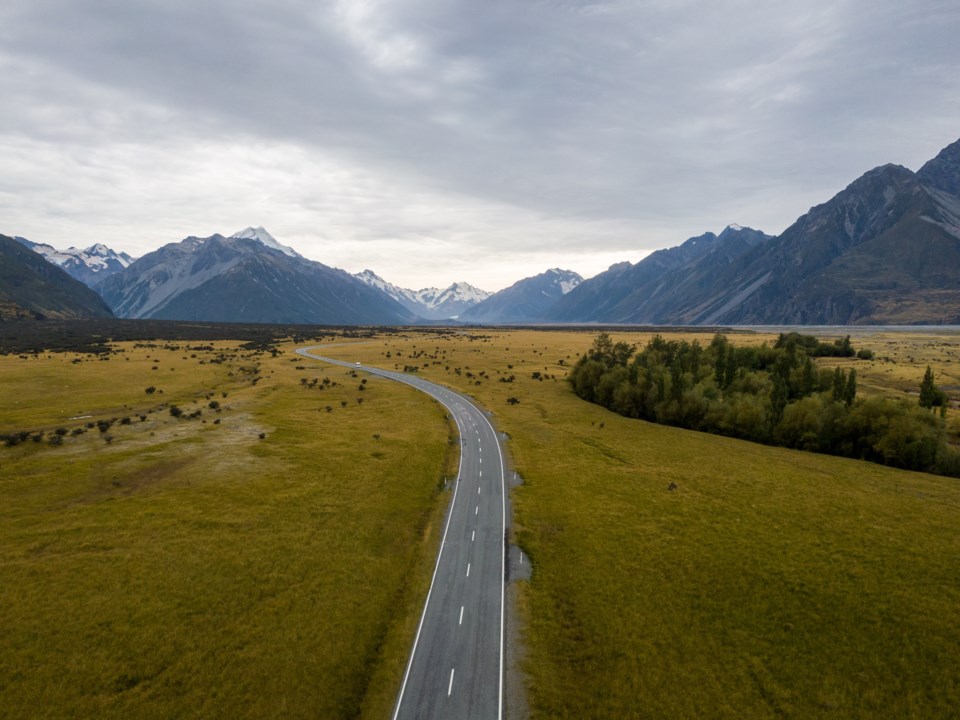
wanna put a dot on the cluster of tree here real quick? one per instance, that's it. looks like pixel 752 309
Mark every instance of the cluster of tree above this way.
pixel 775 395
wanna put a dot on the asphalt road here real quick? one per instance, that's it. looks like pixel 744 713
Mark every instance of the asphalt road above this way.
pixel 455 668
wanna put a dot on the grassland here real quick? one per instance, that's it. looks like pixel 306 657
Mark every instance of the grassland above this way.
pixel 684 575
pixel 193 568
pixel 265 558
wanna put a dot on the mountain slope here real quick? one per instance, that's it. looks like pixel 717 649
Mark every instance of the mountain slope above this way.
pixel 30 286
pixel 884 249
pixel 242 280
pixel 526 300
pixel 615 294
pixel 90 265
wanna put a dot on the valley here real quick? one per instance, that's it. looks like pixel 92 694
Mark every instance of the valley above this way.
pixel 674 573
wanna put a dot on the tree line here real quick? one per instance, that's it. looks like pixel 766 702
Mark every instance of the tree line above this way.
pixel 769 394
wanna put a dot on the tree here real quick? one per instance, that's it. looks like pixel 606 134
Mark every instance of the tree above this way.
pixel 930 395
pixel 839 385
pixel 850 392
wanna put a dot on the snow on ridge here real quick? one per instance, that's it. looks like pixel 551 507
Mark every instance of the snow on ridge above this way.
pixel 734 227
pixel 97 257
pixel 266 239
pixel 568 285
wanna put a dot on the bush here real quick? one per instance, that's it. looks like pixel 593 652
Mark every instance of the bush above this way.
pixel 175 411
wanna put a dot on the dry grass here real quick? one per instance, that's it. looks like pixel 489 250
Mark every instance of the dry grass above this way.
pixel 188 568
pixel 191 568
pixel 767 583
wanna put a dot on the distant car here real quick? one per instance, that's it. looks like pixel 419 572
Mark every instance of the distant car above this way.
pixel 358 364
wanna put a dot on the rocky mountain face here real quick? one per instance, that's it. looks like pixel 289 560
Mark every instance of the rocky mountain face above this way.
pixel 885 250
pixel 32 287
pixel 242 279
pixel 429 303
pixel 90 265
pixel 622 290
pixel 526 300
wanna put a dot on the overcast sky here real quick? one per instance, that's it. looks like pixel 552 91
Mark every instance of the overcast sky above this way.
pixel 440 140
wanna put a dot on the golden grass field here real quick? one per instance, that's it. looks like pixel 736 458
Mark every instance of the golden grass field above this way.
pixel 187 568
pixel 769 583
pixel 193 569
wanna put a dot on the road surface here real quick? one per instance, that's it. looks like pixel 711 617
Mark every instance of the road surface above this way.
pixel 455 668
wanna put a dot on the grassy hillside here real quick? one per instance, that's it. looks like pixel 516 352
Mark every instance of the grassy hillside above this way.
pixel 684 575
pixel 266 558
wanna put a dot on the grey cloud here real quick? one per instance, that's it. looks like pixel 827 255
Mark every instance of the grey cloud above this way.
pixel 661 114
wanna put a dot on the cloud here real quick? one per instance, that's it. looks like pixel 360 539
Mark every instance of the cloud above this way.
pixel 496 131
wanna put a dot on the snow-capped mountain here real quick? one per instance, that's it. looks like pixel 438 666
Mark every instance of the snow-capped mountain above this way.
pixel 90 265
pixel 429 303
pixel 220 279
pixel 526 300
pixel 32 287
pixel 258 233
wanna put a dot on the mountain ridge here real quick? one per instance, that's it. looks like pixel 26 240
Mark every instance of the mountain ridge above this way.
pixel 241 279
pixel 33 287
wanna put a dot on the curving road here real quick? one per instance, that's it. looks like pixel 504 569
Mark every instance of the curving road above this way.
pixel 455 668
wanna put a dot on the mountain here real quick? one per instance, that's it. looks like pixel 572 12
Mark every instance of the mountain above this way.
pixel 526 300
pixel 90 266
pixel 239 279
pixel 618 292
pixel 32 287
pixel 429 303
pixel 265 238
pixel 884 250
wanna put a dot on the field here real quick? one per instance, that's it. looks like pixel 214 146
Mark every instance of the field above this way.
pixel 683 575
pixel 193 568
pixel 266 557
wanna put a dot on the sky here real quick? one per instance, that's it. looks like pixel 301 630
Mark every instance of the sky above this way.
pixel 442 140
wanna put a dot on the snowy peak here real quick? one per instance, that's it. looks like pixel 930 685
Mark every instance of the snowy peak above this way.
pixel 401 295
pixel 90 266
pixel 429 303
pixel 459 292
pixel 566 280
pixel 264 238
pixel 526 300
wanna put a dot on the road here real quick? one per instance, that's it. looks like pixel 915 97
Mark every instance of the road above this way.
pixel 455 668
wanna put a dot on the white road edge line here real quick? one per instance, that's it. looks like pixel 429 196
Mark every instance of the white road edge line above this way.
pixel 450 686
pixel 503 556
pixel 461 616
pixel 305 352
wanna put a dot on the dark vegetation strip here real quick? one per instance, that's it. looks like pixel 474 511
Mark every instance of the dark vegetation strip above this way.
pixel 95 335
pixel 773 395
